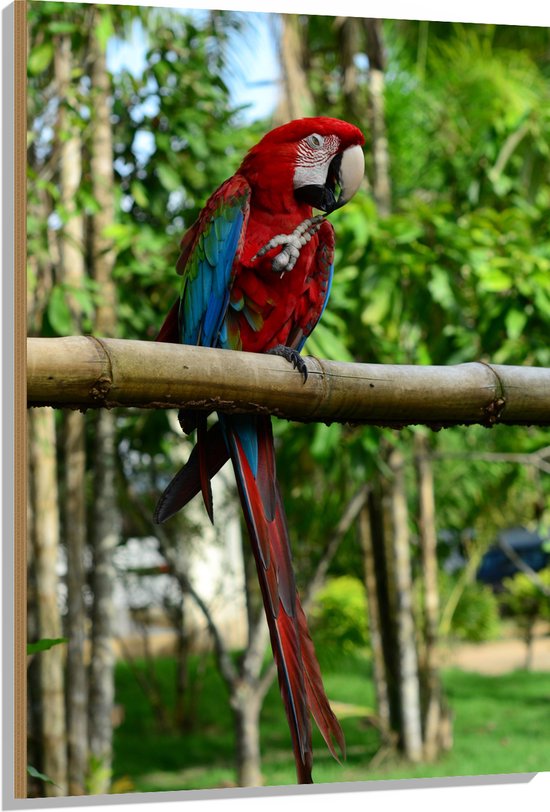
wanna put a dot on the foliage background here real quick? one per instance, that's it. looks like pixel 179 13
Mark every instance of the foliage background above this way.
pixel 459 270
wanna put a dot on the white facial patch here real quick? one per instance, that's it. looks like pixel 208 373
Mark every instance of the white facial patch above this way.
pixel 312 162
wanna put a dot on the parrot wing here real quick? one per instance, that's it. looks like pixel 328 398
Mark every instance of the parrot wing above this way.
pixel 210 253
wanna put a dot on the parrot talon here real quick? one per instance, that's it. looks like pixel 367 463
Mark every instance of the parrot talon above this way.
pixel 292 356
pixel 293 243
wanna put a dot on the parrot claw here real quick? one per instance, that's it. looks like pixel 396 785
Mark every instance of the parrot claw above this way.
pixel 293 243
pixel 292 356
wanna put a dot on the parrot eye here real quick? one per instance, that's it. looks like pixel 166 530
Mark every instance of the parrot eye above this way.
pixel 316 141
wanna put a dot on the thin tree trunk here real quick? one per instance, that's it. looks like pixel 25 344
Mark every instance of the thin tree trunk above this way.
pixel 348 31
pixel 107 521
pixel 385 545
pixel 381 183
pixel 428 546
pixel 75 535
pixel 375 622
pixel 45 535
pixel 382 531
pixel 104 539
pixel 73 273
pixel 296 100
pixel 103 249
pixel 529 641
pixel 182 709
pixel 422 48
pixel 246 702
pixel 34 721
pixel 247 690
pixel 409 683
pixel 41 271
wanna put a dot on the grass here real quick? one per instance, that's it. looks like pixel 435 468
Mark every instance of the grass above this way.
pixel 501 725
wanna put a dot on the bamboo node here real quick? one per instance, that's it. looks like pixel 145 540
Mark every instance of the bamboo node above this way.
pixel 101 388
pixel 493 411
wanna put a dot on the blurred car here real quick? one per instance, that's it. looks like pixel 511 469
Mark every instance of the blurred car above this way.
pixel 531 548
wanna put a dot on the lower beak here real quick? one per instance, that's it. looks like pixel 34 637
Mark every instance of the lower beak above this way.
pixel 344 176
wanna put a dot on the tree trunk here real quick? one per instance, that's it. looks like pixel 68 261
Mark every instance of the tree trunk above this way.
pixel 375 620
pixel 246 702
pixel 40 274
pixel 102 156
pixel 349 48
pixel 428 546
pixel 182 708
pixel 297 100
pixel 409 684
pixel 104 540
pixel 382 530
pixel 45 537
pixel 107 521
pixel 381 183
pixel 72 273
pixel 34 721
pixel 385 545
pixel 529 641
pixel 75 537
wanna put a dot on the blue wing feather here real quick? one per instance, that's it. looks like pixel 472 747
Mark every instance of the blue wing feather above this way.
pixel 209 266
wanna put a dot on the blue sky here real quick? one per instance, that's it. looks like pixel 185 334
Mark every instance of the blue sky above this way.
pixel 254 79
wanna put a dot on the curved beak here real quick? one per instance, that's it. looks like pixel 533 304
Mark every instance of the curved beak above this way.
pixel 350 174
pixel 343 179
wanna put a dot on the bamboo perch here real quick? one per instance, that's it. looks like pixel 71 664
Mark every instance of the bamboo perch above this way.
pixel 82 372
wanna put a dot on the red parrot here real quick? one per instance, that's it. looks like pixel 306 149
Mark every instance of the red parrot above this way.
pixel 257 268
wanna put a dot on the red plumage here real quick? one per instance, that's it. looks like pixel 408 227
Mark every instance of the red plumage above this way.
pixel 264 307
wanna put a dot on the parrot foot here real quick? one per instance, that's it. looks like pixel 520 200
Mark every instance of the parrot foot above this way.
pixel 292 356
pixel 287 258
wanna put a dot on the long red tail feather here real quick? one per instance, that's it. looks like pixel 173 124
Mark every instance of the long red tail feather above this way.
pixel 300 678
pixel 187 482
pixel 249 442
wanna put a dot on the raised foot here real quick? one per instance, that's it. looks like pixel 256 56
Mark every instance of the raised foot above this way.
pixel 292 356
pixel 293 243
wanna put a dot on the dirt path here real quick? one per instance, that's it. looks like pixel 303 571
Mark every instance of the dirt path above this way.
pixel 496 657
pixel 499 656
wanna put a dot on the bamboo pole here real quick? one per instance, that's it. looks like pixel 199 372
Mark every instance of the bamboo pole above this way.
pixel 83 372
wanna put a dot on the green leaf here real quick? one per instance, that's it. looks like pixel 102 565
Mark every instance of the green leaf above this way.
pixel 33 772
pixel 326 439
pixel 168 177
pixel 59 313
pixel 137 190
pixel 515 322
pixel 440 288
pixel 40 58
pixel 104 29
pixel 323 343
pixel 494 281
pixel 407 232
pixel 88 201
pixel 60 27
pixel 121 233
pixel 45 644
pixel 379 305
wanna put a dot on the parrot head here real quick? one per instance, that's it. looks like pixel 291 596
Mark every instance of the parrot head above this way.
pixel 316 161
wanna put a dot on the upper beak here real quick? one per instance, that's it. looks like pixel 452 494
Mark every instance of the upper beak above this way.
pixel 348 168
pixel 344 175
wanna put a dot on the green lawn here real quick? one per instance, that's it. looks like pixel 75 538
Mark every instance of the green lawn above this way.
pixel 501 725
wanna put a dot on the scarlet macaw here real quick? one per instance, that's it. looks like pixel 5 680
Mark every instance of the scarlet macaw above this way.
pixel 257 268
